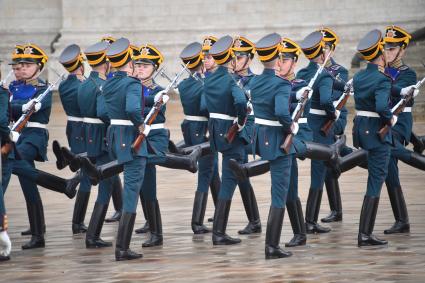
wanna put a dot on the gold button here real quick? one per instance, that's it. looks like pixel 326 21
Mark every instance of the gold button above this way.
pixel 123 144
pixel 267 143
pixel 221 135
pixel 367 132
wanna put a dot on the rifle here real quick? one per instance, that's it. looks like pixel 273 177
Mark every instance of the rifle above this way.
pixel 399 107
pixel 340 103
pixel 299 110
pixel 233 130
pixel 150 118
pixel 19 125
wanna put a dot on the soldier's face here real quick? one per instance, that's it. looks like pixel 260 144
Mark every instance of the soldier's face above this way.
pixel 17 71
pixel 241 63
pixel 391 53
pixel 144 71
pixel 28 70
pixel 209 62
pixel 285 66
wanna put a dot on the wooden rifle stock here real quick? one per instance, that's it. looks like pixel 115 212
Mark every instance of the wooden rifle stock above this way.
pixel 233 130
pixel 329 124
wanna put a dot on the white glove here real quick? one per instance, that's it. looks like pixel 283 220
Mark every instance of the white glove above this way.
pixel 301 91
pixel 249 105
pixel 404 91
pixel 146 130
pixel 337 114
pixel 240 127
pixel 349 83
pixel 394 120
pixel 27 106
pixel 295 128
pixel 5 244
pixel 14 136
pixel 162 94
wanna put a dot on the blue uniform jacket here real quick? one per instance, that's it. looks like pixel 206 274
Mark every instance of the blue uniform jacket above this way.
pixel 371 93
pixel 4 115
pixel 271 98
pixel 122 96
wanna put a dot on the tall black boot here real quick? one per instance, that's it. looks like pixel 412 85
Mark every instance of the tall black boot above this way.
pixel 250 169
pixel 125 230
pixel 145 227
pixel 93 239
pixel 61 162
pixel 274 229
pixel 221 216
pixel 58 184
pixel 173 148
pixel 251 209
pixel 312 213
pixel 116 200
pixel 80 209
pixel 215 189
pixel 74 160
pixel 205 148
pixel 418 142
pixel 97 173
pixel 28 231
pixel 295 212
pixel 348 162
pixel 367 222
pixel 198 213
pixel 184 162
pixel 318 151
pixel 37 225
pixel 401 216
pixel 334 197
pixel 415 160
pixel 155 224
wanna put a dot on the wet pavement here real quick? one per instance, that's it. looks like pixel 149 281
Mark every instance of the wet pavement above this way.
pixel 187 258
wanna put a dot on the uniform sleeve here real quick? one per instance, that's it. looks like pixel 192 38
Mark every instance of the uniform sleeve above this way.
pixel 382 96
pixel 133 103
pixel 101 110
pixel 281 106
pixel 239 102
pixel 325 90
pixel 4 119
pixel 339 85
pixel 203 110
pixel 406 78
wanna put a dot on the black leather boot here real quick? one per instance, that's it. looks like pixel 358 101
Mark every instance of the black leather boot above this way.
pixel 367 222
pixel 401 216
pixel 74 160
pixel 61 162
pixel 80 209
pixel 312 213
pixel 221 217
pixel 205 149
pixel 250 169
pixel 334 197
pixel 198 213
pixel 348 162
pixel 418 142
pixel 28 231
pixel 318 151
pixel 58 184
pixel 93 239
pixel 37 225
pixel 183 162
pixel 295 212
pixel 215 189
pixel 145 228
pixel 116 200
pixel 125 230
pixel 173 148
pixel 155 224
pixel 415 160
pixel 251 210
pixel 274 229
pixel 97 173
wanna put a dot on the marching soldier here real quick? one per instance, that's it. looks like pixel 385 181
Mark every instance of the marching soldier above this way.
pixel 270 99
pixel 226 104
pixel 371 96
pixel 90 101
pixel 5 244
pixel 72 60
pixel 403 78
pixel 124 107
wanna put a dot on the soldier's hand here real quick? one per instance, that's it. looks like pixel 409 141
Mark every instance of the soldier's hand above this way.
pixel 14 136
pixel 161 95
pixel 146 130
pixel 5 244
pixel 404 91
pixel 295 128
pixel 394 120
pixel 337 114
pixel 301 91
pixel 27 106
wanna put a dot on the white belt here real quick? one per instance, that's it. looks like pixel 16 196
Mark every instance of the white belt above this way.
pixel 367 114
pixel 407 109
pixel 317 112
pixel 36 125
pixel 92 120
pixel 302 121
pixel 157 126
pixel 195 118
pixel 267 122
pixel 121 122
pixel 75 119
pixel 221 116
